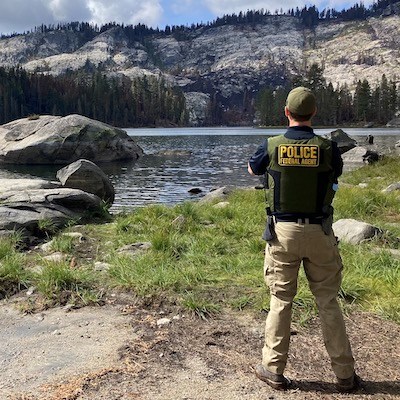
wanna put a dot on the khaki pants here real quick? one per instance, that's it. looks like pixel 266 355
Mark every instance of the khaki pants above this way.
pixel 307 243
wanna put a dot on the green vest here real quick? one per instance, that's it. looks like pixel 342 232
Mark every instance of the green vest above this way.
pixel 300 175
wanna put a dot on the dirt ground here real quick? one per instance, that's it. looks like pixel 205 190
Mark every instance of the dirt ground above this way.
pixel 118 351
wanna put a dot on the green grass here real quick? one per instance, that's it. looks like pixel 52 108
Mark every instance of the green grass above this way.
pixel 207 259
pixel 13 275
pixel 60 284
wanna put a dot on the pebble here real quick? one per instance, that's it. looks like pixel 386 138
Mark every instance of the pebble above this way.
pixel 221 204
pixel 101 266
pixel 56 257
pixel 31 290
pixel 163 321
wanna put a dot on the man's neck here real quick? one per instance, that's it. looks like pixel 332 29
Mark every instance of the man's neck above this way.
pixel 298 123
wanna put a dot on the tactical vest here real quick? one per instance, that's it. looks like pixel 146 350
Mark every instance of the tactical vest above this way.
pixel 300 175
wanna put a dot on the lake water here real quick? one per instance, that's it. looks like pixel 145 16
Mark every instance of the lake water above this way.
pixel 219 157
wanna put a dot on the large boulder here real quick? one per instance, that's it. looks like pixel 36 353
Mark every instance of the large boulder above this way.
pixel 343 140
pixel 63 140
pixel 87 176
pixel 32 210
pixel 353 231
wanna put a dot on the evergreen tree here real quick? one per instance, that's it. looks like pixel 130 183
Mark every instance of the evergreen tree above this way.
pixel 362 101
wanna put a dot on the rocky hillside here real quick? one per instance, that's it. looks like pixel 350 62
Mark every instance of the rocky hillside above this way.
pixel 232 61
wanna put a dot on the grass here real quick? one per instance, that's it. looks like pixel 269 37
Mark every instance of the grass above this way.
pixel 13 275
pixel 207 259
pixel 60 284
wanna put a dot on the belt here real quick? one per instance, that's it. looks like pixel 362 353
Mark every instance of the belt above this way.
pixel 302 220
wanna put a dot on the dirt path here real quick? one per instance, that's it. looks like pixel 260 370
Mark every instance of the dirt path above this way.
pixel 119 352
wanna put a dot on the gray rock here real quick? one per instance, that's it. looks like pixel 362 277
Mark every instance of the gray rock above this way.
pixel 46 247
pixel 217 194
pixel 197 103
pixel 24 184
pixel 392 187
pixel 397 144
pixel 75 235
pixel 26 210
pixel 359 156
pixel 394 123
pixel 101 266
pixel 63 140
pixel 353 231
pixel 87 176
pixel 163 321
pixel 135 248
pixel 221 204
pixel 56 257
pixel 343 140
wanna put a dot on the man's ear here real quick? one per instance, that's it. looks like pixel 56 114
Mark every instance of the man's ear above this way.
pixel 286 112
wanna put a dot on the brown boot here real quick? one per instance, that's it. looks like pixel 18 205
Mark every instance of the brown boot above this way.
pixel 349 384
pixel 276 381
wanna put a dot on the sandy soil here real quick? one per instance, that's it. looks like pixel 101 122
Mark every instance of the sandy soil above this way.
pixel 119 352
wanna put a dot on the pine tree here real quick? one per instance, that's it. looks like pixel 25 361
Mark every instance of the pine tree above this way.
pixel 362 101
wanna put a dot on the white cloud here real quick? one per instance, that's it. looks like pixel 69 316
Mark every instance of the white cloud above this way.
pixel 67 11
pixel 22 15
pixel 128 11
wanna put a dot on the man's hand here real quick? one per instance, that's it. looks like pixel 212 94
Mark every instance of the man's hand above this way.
pixel 249 169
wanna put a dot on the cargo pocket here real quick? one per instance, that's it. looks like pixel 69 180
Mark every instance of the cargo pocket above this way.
pixel 269 266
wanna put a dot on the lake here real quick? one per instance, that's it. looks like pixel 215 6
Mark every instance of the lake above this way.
pixel 219 157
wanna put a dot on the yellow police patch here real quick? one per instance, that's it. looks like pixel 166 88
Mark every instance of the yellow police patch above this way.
pixel 298 155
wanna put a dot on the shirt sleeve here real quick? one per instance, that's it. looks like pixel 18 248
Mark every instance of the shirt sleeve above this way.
pixel 260 160
pixel 337 162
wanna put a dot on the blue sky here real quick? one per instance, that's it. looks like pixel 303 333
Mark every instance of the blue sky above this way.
pixel 23 15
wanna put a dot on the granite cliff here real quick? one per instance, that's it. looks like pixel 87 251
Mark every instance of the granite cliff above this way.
pixel 230 61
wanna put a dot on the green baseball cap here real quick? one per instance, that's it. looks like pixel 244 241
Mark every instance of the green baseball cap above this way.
pixel 301 101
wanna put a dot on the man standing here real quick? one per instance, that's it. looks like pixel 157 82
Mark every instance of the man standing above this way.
pixel 302 170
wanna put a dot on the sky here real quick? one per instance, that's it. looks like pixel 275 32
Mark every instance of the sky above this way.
pixel 23 15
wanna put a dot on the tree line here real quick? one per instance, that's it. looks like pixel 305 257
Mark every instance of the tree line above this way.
pixel 146 101
pixel 336 106
pixel 309 17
